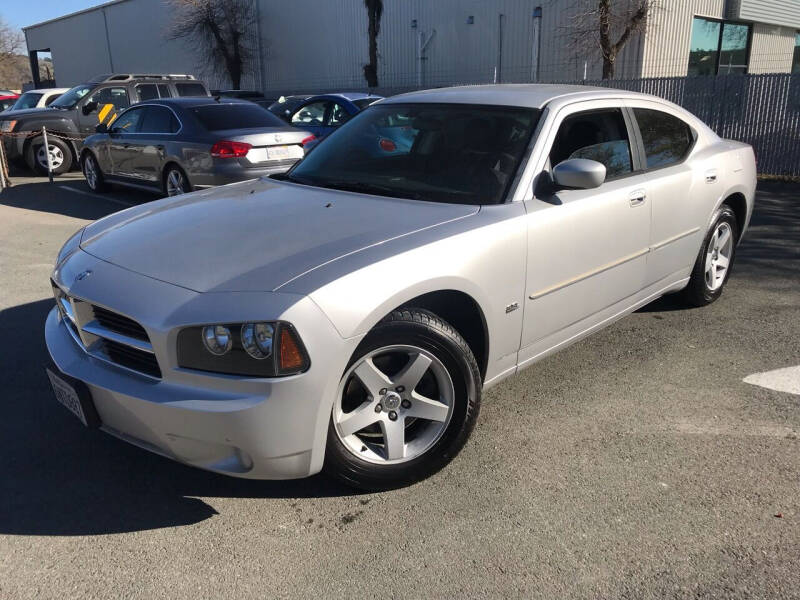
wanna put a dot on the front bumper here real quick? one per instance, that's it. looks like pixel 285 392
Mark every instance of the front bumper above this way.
pixel 247 427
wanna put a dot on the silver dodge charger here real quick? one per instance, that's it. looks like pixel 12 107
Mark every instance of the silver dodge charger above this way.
pixel 349 314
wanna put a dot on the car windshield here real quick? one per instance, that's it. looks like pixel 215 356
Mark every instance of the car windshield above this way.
pixel 71 97
pixel 454 153
pixel 27 100
pixel 218 117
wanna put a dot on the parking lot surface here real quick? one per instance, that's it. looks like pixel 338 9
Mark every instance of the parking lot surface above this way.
pixel 635 464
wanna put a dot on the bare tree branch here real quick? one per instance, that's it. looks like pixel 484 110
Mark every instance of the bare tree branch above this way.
pixel 217 30
pixel 13 60
pixel 607 26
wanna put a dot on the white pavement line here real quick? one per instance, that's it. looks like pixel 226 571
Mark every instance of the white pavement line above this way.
pixel 781 380
pixel 107 199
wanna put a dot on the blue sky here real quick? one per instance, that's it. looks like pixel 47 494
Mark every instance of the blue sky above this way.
pixel 21 13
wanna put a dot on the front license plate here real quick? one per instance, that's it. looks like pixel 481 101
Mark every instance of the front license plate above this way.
pixel 67 395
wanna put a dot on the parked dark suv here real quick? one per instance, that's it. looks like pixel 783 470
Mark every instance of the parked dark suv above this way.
pixel 74 116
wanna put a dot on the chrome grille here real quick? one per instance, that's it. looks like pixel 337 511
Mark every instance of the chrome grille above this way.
pixel 119 323
pixel 137 360
pixel 107 335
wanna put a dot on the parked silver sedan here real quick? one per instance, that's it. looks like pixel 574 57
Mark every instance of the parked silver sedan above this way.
pixel 349 314
pixel 178 145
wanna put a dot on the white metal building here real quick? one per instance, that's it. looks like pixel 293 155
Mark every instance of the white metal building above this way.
pixel 314 45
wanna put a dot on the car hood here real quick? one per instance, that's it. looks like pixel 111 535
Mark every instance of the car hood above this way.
pixel 29 112
pixel 254 236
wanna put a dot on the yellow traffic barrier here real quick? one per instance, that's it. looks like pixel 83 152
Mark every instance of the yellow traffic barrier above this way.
pixel 104 112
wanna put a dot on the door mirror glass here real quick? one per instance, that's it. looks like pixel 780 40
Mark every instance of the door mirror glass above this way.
pixel 579 174
pixel 101 128
pixel 89 107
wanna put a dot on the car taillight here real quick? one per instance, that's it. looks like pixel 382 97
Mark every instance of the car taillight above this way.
pixel 310 138
pixel 227 149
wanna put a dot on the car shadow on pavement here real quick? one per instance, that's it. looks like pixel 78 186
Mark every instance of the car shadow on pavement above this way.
pixel 57 478
pixel 51 197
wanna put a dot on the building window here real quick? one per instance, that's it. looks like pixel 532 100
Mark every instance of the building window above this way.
pixel 718 47
pixel 796 59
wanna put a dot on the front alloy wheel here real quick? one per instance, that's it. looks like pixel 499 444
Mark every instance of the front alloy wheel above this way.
pixel 382 418
pixel 406 403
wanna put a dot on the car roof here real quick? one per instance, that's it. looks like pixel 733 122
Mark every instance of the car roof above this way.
pixel 533 95
pixel 194 101
pixel 347 96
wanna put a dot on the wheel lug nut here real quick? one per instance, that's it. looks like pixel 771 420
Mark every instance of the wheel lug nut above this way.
pixel 405 404
pixel 378 408
pixel 392 415
pixel 400 389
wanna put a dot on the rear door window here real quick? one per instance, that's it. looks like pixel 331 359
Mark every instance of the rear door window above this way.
pixel 163 90
pixel 666 139
pixel 191 89
pixel 147 91
pixel 158 119
pixel 599 135
pixel 218 117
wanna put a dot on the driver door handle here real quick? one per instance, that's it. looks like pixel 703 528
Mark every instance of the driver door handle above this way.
pixel 637 198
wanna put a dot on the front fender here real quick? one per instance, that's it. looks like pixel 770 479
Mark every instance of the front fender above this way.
pixel 483 257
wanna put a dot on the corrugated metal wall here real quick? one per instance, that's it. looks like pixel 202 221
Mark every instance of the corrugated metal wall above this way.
pixel 779 12
pixel 666 46
pixel 772 49
pixel 315 45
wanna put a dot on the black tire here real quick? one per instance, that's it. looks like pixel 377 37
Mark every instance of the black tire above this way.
pixel 32 154
pixel 698 292
pixel 99 186
pixel 423 329
pixel 186 186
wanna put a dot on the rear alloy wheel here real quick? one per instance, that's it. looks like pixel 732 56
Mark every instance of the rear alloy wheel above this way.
pixel 176 182
pixel 405 405
pixel 60 155
pixel 93 174
pixel 714 262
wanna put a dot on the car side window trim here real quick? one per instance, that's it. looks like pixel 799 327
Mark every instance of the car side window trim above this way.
pixel 638 132
pixel 145 104
pixel 632 146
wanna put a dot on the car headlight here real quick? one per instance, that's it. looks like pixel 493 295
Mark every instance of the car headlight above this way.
pixel 69 247
pixel 7 125
pixel 255 349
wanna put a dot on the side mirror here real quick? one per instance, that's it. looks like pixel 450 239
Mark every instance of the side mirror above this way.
pixel 579 174
pixel 89 107
pixel 101 128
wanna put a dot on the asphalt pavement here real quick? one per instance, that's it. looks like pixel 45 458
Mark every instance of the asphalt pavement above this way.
pixel 634 464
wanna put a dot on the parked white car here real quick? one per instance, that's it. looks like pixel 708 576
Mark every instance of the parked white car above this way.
pixel 37 98
pixel 349 314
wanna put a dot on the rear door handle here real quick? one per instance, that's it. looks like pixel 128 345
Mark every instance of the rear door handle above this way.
pixel 711 176
pixel 637 197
